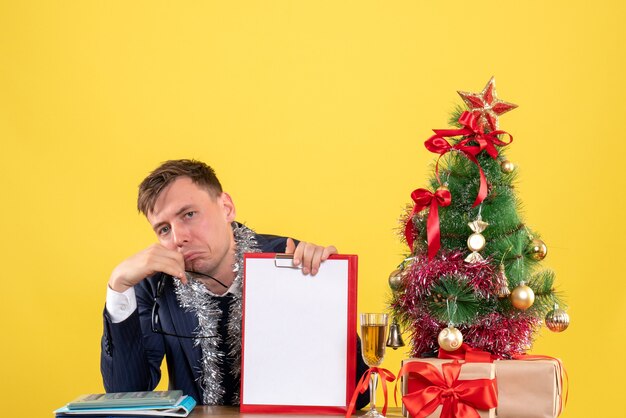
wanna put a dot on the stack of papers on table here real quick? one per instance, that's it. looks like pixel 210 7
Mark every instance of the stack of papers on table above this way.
pixel 169 403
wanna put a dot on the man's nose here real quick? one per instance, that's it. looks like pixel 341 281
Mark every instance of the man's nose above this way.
pixel 180 234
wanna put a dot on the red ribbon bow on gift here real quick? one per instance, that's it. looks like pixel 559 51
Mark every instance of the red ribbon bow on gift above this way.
pixel 460 398
pixel 473 131
pixel 364 383
pixel 424 198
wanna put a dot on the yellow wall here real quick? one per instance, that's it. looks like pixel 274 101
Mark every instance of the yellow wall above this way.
pixel 313 114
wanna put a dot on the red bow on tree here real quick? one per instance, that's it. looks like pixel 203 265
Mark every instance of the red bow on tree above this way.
pixel 459 398
pixel 473 131
pixel 424 198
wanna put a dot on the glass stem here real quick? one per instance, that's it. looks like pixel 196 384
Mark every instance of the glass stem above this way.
pixel 373 384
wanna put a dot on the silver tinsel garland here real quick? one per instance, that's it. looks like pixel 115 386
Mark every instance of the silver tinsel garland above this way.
pixel 195 297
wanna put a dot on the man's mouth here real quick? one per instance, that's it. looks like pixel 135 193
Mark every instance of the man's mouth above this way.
pixel 189 257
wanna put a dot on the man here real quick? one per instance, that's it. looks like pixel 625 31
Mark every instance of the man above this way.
pixel 181 297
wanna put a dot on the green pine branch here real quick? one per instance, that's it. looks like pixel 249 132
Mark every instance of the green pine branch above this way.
pixel 546 296
pixel 455 115
pixel 453 300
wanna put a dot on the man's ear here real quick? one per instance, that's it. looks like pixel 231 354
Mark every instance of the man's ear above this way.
pixel 229 207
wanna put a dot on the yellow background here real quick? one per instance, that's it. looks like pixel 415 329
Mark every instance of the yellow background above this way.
pixel 314 116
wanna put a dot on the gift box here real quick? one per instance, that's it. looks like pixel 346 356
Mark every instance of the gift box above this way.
pixel 530 387
pixel 473 387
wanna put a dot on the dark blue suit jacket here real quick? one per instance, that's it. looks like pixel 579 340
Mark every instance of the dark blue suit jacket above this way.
pixel 131 354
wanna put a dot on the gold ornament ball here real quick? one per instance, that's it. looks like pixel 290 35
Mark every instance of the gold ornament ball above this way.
pixel 395 280
pixel 522 297
pixel 507 167
pixel 476 242
pixel 557 320
pixel 450 338
pixel 537 250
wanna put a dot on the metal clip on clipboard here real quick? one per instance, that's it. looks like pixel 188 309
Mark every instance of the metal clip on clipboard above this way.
pixel 285 261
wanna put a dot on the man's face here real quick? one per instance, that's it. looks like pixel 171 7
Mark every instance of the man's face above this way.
pixel 187 219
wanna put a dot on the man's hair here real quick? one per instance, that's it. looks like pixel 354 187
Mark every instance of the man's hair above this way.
pixel 152 186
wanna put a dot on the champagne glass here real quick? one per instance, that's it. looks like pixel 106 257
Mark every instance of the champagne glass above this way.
pixel 373 338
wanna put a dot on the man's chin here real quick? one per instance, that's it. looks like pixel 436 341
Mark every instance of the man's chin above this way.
pixel 198 267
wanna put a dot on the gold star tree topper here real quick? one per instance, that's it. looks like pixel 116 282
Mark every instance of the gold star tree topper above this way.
pixel 487 104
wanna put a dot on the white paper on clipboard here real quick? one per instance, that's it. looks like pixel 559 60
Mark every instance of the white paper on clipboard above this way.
pixel 299 335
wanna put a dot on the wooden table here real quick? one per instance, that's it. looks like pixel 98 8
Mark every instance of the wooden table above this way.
pixel 202 411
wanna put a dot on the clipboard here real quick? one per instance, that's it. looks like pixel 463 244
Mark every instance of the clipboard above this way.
pixel 298 350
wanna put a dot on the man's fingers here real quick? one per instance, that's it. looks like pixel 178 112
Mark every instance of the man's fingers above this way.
pixel 155 258
pixel 298 253
pixel 316 260
pixel 328 251
pixel 310 256
pixel 172 269
pixel 307 257
pixel 166 261
pixel 290 247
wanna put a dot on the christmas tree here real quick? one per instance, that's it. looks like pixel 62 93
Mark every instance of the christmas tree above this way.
pixel 473 272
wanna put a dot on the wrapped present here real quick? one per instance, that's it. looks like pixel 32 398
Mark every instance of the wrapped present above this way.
pixel 448 388
pixel 529 387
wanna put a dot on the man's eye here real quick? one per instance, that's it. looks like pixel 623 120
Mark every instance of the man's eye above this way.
pixel 164 230
pixel 190 214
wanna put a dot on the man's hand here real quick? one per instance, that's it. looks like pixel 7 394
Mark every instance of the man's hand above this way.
pixel 155 258
pixel 308 255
